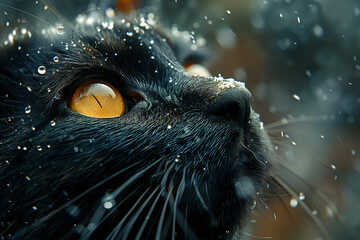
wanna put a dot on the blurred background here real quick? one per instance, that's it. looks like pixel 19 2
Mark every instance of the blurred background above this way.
pixel 301 61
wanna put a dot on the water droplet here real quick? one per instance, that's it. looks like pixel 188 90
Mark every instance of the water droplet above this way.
pixel 301 196
pixel 56 59
pixel 39 148
pixel 28 109
pixel 293 143
pixel 330 211
pixel 42 70
pixel 109 204
pixel 298 19
pixel 110 12
pixel 111 25
pixel 29 89
pixel 322 136
pixel 60 30
pixel 333 166
pixel 169 126
pixel 314 212
pixel 46 8
pixel 76 149
pixel 296 97
pixel 353 152
pixel 293 203
pixel 228 11
pixel 24 148
pixel 57 96
pixel 318 30
pixel 35 208
pixel 52 123
pixel 27 177
pixel 253 206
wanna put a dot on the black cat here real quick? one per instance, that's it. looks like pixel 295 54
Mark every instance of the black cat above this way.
pixel 105 135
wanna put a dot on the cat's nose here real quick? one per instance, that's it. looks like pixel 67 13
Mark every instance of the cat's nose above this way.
pixel 233 102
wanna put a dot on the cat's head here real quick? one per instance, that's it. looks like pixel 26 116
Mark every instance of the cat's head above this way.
pixel 104 133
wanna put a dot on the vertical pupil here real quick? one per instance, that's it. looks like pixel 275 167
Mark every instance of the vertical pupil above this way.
pixel 100 92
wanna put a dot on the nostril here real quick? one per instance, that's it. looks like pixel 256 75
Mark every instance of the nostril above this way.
pixel 230 111
pixel 234 103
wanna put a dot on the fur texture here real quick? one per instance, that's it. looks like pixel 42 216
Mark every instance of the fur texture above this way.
pixel 186 162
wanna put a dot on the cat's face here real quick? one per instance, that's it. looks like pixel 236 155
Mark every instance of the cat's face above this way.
pixel 105 134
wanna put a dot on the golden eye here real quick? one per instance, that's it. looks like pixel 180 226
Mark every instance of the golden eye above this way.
pixel 98 99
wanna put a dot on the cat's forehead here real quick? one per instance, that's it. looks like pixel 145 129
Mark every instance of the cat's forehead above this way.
pixel 98 40
pixel 91 29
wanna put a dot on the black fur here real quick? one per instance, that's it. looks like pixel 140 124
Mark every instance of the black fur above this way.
pixel 181 164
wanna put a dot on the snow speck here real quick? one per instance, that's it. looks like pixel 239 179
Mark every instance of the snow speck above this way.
pixel 353 152
pixel 296 97
pixel 28 109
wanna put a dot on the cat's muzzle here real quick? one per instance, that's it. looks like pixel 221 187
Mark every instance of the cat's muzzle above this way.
pixel 233 102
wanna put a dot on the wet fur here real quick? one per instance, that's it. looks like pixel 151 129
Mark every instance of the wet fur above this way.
pixel 171 167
